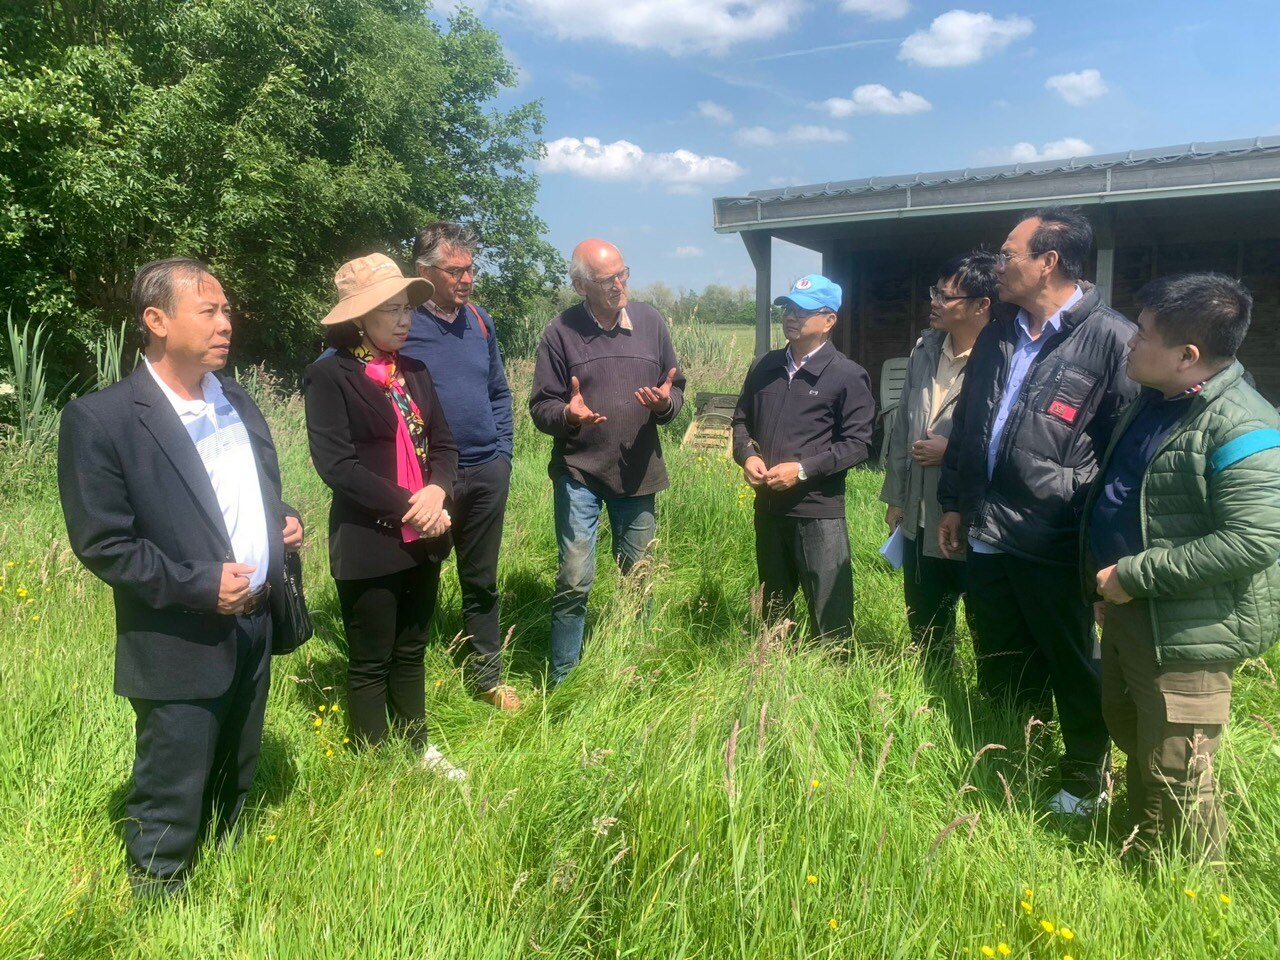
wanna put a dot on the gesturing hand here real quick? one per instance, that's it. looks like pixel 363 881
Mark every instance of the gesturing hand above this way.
pixel 576 411
pixel 928 453
pixel 754 471
pixel 657 399
pixel 233 591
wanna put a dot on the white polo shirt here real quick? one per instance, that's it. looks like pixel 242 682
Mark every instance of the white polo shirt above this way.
pixel 223 443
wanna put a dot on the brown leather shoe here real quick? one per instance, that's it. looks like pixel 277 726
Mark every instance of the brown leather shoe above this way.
pixel 503 697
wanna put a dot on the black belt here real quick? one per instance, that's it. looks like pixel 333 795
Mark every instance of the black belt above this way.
pixel 257 601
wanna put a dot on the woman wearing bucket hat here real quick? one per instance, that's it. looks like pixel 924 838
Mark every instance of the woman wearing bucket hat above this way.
pixel 379 440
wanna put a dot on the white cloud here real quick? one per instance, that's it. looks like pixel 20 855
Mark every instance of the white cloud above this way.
pixel 1078 88
pixel 877 9
pixel 876 98
pixel 1063 149
pixel 710 110
pixel 959 38
pixel 680 170
pixel 801 133
pixel 675 26
pixel 688 252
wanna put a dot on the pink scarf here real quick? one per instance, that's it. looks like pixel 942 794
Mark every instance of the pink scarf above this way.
pixel 382 371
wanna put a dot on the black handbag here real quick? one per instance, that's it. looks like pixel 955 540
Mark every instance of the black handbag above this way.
pixel 294 627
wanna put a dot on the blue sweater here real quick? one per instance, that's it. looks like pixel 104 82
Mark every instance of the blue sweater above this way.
pixel 466 368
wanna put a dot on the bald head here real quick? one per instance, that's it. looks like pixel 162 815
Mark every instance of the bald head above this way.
pixel 599 275
pixel 594 258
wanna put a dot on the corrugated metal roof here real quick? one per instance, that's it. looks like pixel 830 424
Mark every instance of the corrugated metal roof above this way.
pixel 1134 158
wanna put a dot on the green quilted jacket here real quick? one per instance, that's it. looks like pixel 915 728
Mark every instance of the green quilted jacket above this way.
pixel 1210 527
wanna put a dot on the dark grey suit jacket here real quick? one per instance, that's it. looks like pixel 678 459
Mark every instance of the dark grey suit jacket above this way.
pixel 142 516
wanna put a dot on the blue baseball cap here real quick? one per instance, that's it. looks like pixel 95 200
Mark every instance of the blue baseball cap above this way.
pixel 814 292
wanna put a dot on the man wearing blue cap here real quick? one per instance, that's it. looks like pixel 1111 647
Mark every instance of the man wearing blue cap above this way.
pixel 803 419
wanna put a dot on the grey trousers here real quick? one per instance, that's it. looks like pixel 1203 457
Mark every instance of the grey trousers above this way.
pixel 812 554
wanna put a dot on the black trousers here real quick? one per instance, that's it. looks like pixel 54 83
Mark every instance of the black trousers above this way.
pixel 1033 638
pixel 812 554
pixel 387 620
pixel 932 588
pixel 478 510
pixel 194 762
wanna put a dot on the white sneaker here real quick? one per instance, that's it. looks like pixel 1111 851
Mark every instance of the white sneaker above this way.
pixel 434 761
pixel 1067 804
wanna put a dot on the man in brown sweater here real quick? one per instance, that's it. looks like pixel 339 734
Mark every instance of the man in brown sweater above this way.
pixel 605 377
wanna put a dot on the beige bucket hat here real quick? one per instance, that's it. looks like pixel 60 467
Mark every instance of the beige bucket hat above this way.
pixel 368 282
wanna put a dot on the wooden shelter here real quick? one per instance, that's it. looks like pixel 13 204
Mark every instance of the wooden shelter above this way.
pixel 1203 206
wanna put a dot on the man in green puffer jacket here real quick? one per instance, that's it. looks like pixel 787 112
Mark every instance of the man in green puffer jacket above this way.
pixel 1183 528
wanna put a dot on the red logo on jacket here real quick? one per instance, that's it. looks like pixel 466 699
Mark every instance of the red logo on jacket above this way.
pixel 1064 411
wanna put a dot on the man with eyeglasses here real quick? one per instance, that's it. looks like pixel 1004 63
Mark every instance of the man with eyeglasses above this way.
pixel 606 376
pixel 960 308
pixel 1043 393
pixel 804 417
pixel 458 343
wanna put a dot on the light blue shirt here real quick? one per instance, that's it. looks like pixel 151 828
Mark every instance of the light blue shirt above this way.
pixel 1024 356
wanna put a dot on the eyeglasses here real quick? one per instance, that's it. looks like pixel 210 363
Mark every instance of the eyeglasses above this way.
pixel 937 296
pixel 391 311
pixel 791 310
pixel 457 273
pixel 1004 259
pixel 622 276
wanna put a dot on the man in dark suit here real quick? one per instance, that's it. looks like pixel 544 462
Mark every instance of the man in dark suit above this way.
pixel 171 491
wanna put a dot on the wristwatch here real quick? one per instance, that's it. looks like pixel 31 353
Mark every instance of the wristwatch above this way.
pixel 800 474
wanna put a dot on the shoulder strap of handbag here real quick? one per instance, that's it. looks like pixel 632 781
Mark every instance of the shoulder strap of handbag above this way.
pixel 484 328
pixel 1245 445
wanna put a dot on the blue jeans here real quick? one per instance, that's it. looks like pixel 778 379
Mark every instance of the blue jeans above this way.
pixel 633 524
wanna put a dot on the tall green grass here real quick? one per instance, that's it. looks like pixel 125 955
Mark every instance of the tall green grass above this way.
pixel 699 787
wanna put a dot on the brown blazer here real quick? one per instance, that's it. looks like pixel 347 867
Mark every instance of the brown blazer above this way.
pixel 351 426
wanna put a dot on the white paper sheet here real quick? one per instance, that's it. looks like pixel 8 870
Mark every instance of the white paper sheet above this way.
pixel 892 548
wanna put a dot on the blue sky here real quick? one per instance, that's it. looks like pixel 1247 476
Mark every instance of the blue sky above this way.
pixel 655 106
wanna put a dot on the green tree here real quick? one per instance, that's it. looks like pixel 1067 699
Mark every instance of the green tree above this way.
pixel 273 139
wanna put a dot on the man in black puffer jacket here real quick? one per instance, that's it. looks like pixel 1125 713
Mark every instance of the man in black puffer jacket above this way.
pixel 1042 395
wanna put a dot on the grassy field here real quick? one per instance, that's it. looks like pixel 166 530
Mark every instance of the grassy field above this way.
pixel 698 788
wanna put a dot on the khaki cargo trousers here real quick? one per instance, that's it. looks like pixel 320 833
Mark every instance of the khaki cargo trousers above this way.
pixel 1168 719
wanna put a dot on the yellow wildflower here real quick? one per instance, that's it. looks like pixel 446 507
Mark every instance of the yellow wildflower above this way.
pixel 1028 893
pixel 1004 949
pixel 1190 893
pixel 811 879
pixel 22 591
pixel 1065 933
pixel 9 565
pixel 321 708
pixel 987 951
pixel 334 708
pixel 318 722
pixel 377 851
pixel 346 739
pixel 833 923
pixel 36 618
pixel 439 683
pixel 1047 926
pixel 1224 898
pixel 271 838
pixel 815 784
pixel 1026 907
pixel 329 752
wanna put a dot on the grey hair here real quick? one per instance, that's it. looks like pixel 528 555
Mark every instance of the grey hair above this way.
pixel 578 269
pixel 431 240
pixel 157 283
